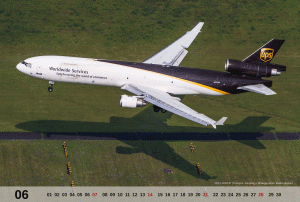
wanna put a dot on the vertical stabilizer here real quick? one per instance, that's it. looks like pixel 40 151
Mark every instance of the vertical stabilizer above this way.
pixel 266 53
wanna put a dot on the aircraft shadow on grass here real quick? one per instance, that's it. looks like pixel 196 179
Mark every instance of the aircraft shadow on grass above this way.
pixel 161 151
pixel 151 126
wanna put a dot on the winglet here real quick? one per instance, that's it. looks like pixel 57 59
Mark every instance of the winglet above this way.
pixel 220 122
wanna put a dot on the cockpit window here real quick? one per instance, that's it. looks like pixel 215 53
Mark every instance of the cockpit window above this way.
pixel 26 64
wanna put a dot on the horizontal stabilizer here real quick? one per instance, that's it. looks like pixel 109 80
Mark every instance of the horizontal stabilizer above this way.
pixel 220 122
pixel 259 88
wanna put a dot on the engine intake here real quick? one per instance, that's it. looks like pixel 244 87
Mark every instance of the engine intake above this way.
pixel 259 69
pixel 131 101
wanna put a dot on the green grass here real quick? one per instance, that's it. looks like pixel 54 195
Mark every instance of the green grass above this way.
pixel 134 31
pixel 141 163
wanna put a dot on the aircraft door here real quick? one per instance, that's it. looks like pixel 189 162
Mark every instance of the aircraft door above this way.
pixel 38 70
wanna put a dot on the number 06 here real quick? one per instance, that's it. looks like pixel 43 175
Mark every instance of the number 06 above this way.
pixel 24 194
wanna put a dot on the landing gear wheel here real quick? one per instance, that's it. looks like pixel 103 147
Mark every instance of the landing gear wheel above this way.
pixel 163 110
pixel 156 108
pixel 50 89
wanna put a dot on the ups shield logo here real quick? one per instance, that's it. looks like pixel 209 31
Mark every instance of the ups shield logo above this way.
pixel 266 54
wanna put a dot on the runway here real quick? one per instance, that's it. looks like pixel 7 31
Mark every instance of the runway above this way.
pixel 149 136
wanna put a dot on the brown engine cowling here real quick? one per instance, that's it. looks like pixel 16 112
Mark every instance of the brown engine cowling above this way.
pixel 258 70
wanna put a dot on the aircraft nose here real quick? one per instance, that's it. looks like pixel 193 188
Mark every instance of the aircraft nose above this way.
pixel 19 67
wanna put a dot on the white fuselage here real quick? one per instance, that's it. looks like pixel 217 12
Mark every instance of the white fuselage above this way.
pixel 92 71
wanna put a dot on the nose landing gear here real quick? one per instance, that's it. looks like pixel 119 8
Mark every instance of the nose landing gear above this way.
pixel 50 88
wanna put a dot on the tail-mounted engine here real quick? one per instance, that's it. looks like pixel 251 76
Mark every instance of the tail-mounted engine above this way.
pixel 132 101
pixel 258 69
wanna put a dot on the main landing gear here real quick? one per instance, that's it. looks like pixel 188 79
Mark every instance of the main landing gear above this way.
pixel 163 110
pixel 156 109
pixel 50 88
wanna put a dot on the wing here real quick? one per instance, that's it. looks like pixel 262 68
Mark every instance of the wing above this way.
pixel 174 53
pixel 171 104
pixel 258 88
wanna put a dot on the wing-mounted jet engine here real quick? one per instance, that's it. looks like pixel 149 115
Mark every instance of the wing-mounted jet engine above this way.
pixel 132 101
pixel 258 63
pixel 256 69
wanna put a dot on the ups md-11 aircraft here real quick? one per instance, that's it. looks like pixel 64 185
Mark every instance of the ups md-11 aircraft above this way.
pixel 159 78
